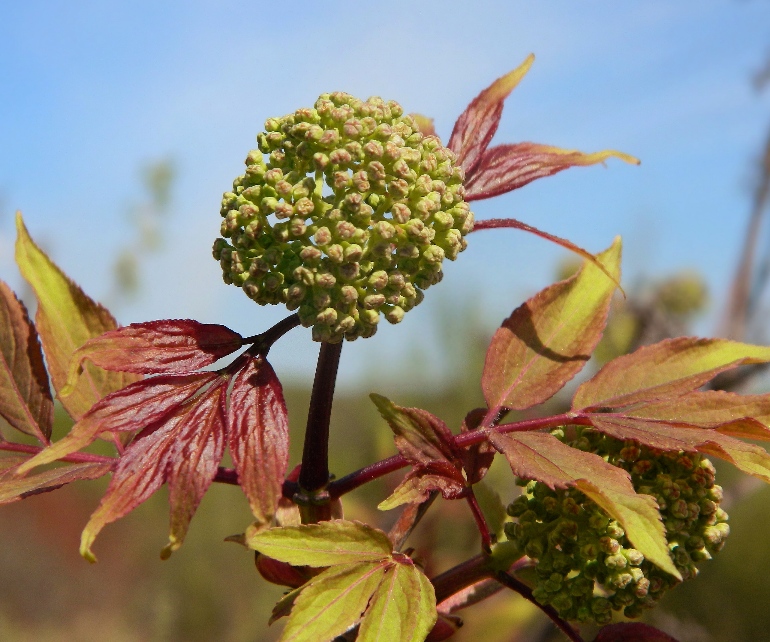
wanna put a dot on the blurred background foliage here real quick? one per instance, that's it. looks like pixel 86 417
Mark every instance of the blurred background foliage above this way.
pixel 209 590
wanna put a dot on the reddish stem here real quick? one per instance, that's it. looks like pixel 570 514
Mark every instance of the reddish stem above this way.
pixel 522 589
pixel 461 576
pixel 77 458
pixel 481 522
pixel 263 342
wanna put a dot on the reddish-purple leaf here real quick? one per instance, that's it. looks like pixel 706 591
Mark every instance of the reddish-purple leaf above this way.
pixel 258 436
pixel 749 458
pixel 15 488
pixel 25 395
pixel 183 449
pixel 157 347
pixel 420 436
pixel 131 408
pixel 664 370
pixel 479 457
pixel 540 456
pixel 477 125
pixel 548 339
pixel 632 632
pixel 507 167
pixel 422 481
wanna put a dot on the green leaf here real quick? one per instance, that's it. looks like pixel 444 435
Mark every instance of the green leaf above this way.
pixel 333 542
pixel 66 318
pixel 540 456
pixel 25 396
pixel 402 608
pixel 663 371
pixel 333 602
pixel 419 484
pixel 549 339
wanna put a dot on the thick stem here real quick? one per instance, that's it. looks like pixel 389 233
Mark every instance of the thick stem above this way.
pixel 262 342
pixel 522 589
pixel 461 576
pixel 314 474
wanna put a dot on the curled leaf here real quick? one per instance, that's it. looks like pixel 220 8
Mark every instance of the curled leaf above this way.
pixel 25 396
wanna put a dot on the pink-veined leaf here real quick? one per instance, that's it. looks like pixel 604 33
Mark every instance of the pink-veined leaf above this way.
pixel 507 167
pixel 132 408
pixel 420 436
pixel 25 396
pixel 540 456
pixel 324 544
pixel 632 632
pixel 664 370
pixel 749 458
pixel 333 602
pixel 66 318
pixel 183 449
pixel 258 434
pixel 746 416
pixel 477 125
pixel 548 340
pixel 402 608
pixel 171 346
pixel 13 488
pixel 423 480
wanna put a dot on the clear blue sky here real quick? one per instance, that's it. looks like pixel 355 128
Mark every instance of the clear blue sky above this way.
pixel 90 91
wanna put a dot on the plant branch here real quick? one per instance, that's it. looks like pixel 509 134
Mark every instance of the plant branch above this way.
pixel 314 474
pixel 522 589
pixel 461 576
pixel 345 484
pixel 264 341
pixel 481 522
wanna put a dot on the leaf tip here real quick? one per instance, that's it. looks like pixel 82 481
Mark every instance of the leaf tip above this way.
pixel 86 539
pixel 173 544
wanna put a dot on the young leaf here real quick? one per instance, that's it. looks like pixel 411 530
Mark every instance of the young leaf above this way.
pixel 420 436
pixel 477 125
pixel 66 318
pixel 132 408
pixel 421 482
pixel 540 456
pixel 402 608
pixel 184 450
pixel 333 602
pixel 663 371
pixel 258 436
pixel 25 396
pixel 549 339
pixel 749 458
pixel 479 457
pixel 13 489
pixel 157 347
pixel 333 542
pixel 508 167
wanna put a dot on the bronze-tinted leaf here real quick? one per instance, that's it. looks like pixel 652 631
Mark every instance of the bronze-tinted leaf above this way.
pixel 66 318
pixel 25 395
pixel 477 125
pixel 421 482
pixel 549 339
pixel 183 449
pixel 157 347
pixel 749 458
pixel 507 167
pixel 132 408
pixel 420 436
pixel 664 370
pixel 258 436
pixel 15 488
pixel 479 457
pixel 540 456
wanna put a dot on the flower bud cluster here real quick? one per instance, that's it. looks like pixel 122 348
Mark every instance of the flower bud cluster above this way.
pixel 585 566
pixel 345 212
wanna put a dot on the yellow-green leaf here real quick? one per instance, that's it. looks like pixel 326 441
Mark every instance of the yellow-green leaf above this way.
pixel 333 542
pixel 66 318
pixel 333 602
pixel 540 456
pixel 402 608
pixel 664 370
pixel 549 339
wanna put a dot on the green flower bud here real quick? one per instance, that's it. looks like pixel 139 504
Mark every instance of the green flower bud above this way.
pixel 395 212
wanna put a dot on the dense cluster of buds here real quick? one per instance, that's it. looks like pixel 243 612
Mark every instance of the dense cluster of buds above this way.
pixel 585 566
pixel 345 212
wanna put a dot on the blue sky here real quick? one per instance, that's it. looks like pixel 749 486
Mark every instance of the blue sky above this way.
pixel 91 91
